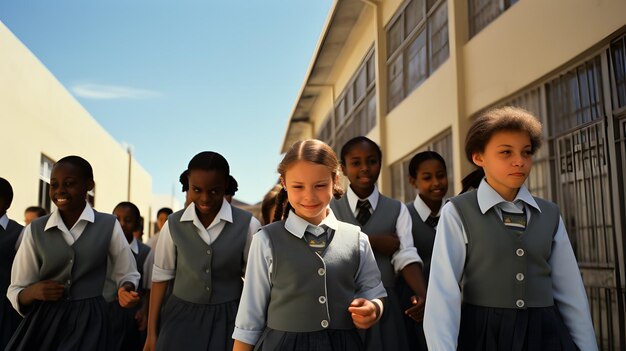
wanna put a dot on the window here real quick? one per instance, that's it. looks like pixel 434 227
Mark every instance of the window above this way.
pixel 355 109
pixel 483 12
pixel 45 170
pixel 400 187
pixel 618 56
pixel 417 44
pixel 575 97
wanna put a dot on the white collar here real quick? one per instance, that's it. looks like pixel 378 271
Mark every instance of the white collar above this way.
pixel 134 246
pixel 353 199
pixel 4 221
pixel 225 213
pixel 296 225
pixel 488 197
pixel 55 219
pixel 422 209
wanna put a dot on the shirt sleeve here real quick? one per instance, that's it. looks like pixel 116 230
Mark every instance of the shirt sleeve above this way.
pixel 164 256
pixel 254 227
pixel 123 265
pixel 407 253
pixel 25 270
pixel 147 270
pixel 443 302
pixel 251 317
pixel 368 282
pixel 569 291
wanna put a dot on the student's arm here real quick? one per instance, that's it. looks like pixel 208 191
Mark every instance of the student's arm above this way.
pixel 123 268
pixel 408 262
pixel 386 244
pixel 25 288
pixel 367 307
pixel 442 315
pixel 414 277
pixel 156 299
pixel 251 316
pixel 569 291
pixel 163 271
pixel 253 227
pixel 242 346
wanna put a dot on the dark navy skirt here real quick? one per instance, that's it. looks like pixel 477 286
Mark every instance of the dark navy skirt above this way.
pixel 532 329
pixel 389 333
pixel 323 340
pixel 190 326
pixel 125 334
pixel 64 325
pixel 9 320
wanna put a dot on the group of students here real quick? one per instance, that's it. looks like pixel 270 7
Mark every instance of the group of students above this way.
pixel 491 269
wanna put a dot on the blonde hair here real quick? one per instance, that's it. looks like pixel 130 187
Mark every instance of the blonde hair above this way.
pixel 311 150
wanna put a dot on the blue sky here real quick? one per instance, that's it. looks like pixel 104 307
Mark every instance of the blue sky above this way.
pixel 176 78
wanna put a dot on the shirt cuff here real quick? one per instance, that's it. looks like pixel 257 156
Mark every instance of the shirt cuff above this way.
pixel 404 257
pixel 162 275
pixel 247 336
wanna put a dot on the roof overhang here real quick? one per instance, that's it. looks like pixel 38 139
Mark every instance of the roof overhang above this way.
pixel 341 19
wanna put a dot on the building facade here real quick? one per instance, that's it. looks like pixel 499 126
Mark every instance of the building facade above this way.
pixel 41 122
pixel 412 75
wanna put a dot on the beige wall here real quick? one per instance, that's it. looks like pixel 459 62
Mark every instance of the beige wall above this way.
pixel 530 40
pixel 39 116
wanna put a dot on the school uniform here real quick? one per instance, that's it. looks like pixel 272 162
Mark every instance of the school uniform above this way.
pixel 521 287
pixel 423 230
pixel 297 293
pixel 208 265
pixel 387 216
pixel 77 258
pixel 125 333
pixel 9 318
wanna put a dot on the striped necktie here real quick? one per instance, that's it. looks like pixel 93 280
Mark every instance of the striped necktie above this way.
pixel 364 211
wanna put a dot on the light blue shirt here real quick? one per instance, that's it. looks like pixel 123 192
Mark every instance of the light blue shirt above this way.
pixel 406 253
pixel 251 317
pixel 443 304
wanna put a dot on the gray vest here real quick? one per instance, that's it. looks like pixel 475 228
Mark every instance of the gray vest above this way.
pixel 382 221
pixel 8 238
pixel 82 266
pixel 310 293
pixel 502 268
pixel 423 238
pixel 209 274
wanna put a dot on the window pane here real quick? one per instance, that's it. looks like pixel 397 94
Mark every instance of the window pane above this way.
pixel 618 54
pixel 371 112
pixel 438 32
pixel 395 36
pixel 360 85
pixel 417 63
pixel 481 13
pixel 396 93
pixel 413 14
pixel 371 70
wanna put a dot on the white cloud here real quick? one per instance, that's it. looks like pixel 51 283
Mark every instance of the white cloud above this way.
pixel 109 92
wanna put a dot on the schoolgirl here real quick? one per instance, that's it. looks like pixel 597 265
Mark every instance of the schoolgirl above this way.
pixel 503 275
pixel 204 248
pixel 60 268
pixel 311 280
pixel 388 225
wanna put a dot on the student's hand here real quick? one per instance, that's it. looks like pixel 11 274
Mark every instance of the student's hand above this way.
pixel 363 313
pixel 46 290
pixel 150 343
pixel 387 244
pixel 416 312
pixel 126 297
pixel 142 319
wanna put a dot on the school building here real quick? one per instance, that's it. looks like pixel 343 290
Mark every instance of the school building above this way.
pixel 412 75
pixel 41 122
